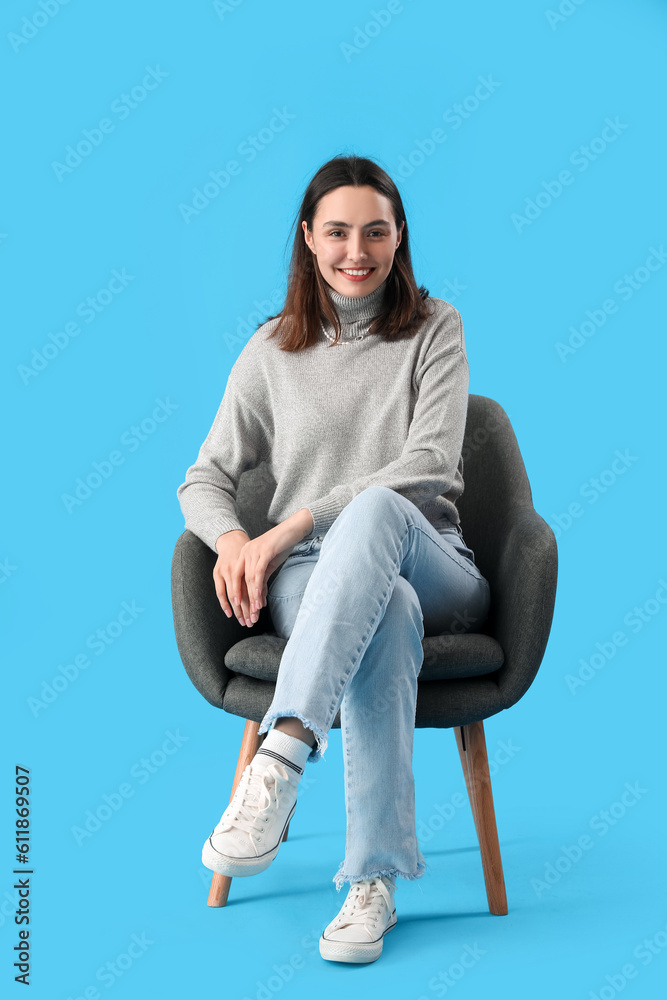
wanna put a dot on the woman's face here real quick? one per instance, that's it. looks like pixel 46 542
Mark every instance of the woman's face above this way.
pixel 354 229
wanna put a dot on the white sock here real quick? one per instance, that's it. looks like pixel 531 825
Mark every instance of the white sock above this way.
pixel 287 750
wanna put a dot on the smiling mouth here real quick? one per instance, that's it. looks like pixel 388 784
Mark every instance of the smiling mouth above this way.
pixel 356 273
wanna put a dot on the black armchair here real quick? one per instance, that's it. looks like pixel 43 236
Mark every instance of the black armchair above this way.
pixel 464 678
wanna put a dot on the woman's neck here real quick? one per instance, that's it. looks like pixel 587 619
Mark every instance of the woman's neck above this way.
pixel 357 310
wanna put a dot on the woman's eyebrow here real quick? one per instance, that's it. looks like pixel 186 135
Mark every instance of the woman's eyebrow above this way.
pixel 347 225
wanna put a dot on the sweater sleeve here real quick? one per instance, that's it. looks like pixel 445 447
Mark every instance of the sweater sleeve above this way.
pixel 430 457
pixel 237 441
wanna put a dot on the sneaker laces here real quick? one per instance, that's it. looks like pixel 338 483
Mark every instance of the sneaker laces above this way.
pixel 364 902
pixel 257 791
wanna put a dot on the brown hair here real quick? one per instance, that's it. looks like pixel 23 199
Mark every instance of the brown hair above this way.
pixel 307 302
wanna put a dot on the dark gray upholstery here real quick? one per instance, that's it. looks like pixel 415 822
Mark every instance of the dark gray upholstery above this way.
pixel 464 678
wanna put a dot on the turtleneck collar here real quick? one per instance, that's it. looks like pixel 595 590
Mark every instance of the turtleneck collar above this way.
pixel 354 310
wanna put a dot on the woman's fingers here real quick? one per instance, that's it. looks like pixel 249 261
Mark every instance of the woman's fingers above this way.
pixel 239 584
pixel 248 580
pixel 255 584
pixel 221 591
pixel 239 596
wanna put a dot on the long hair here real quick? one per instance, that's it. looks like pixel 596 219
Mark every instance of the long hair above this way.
pixel 307 302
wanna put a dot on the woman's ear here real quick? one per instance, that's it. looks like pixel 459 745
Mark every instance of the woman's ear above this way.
pixel 308 236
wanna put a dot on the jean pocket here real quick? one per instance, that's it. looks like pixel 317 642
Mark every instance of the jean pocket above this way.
pixel 305 548
pixel 291 579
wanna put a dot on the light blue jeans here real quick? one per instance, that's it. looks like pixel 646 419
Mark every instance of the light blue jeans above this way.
pixel 354 605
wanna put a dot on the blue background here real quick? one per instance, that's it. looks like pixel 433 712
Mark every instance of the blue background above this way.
pixel 194 291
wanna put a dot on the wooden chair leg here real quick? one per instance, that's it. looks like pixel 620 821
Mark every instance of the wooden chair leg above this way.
pixel 472 749
pixel 458 732
pixel 250 744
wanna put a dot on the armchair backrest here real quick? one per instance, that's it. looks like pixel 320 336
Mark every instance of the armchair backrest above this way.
pixel 494 477
pixel 493 472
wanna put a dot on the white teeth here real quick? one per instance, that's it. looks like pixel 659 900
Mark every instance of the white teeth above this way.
pixel 365 270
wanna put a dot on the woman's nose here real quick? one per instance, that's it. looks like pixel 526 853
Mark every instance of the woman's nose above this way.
pixel 356 252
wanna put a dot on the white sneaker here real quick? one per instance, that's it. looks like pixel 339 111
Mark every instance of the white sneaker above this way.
pixel 247 838
pixel 357 933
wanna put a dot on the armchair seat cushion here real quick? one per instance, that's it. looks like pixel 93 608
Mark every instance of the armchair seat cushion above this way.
pixel 445 656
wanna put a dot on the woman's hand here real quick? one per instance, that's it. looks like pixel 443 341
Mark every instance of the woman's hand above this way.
pixel 244 566
pixel 228 547
pixel 257 559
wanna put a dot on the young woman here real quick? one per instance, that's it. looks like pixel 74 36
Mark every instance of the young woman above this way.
pixel 355 396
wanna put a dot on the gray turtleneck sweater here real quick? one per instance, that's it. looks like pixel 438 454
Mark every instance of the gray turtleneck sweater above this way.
pixel 333 420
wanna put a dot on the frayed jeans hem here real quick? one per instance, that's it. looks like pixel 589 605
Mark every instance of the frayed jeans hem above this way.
pixel 340 877
pixel 320 735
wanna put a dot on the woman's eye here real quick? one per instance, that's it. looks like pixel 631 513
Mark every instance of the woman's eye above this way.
pixel 374 232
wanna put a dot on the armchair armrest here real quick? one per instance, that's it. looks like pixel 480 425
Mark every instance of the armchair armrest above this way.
pixel 204 634
pixel 523 593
